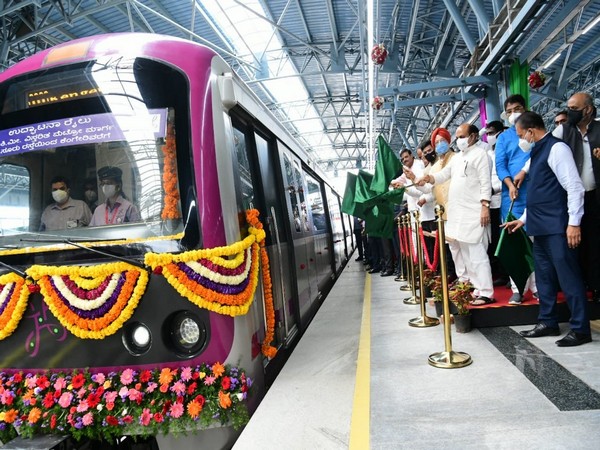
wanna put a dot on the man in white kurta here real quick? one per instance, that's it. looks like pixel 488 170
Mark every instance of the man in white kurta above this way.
pixel 468 208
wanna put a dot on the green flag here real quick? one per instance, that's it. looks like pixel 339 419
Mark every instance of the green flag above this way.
pixel 348 204
pixel 387 167
pixel 515 252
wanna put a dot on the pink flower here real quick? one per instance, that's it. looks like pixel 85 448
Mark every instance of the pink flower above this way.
pixel 127 376
pixel 179 388
pixel 151 387
pixel 209 380
pixel 123 392
pixel 60 384
pixel 186 373
pixel 65 399
pixel 176 410
pixel 110 396
pixel 83 406
pixel 134 395
pixel 146 417
pixel 88 419
pixel 30 382
pixel 99 378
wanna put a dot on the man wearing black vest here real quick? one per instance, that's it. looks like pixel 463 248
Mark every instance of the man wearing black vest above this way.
pixel 582 133
pixel 553 214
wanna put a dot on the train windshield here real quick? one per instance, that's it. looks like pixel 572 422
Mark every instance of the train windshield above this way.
pixel 88 152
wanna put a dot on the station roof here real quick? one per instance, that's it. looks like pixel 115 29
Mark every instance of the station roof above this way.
pixel 309 60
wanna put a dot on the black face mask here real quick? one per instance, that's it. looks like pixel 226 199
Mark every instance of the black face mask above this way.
pixel 574 116
pixel 430 157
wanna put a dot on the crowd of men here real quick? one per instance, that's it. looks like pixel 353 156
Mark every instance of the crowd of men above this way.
pixel 545 179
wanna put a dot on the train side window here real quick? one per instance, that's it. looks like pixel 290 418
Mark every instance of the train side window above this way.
pixel 14 198
pixel 315 204
pixel 244 169
pixel 291 191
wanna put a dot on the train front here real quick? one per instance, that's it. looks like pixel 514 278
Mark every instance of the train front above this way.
pixel 108 279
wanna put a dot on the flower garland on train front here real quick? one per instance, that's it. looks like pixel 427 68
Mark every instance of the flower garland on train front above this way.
pixel 92 302
pixel 171 208
pixel 226 286
pixel 107 405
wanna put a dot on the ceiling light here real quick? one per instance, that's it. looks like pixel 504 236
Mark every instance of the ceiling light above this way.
pixel 551 61
pixel 591 25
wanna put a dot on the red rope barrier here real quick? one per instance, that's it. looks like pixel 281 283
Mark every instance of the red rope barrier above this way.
pixel 436 254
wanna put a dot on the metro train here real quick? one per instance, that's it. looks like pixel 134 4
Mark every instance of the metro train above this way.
pixel 143 313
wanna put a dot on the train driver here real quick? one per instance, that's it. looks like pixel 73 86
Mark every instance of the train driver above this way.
pixel 116 209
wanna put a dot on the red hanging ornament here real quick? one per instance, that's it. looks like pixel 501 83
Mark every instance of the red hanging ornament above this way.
pixel 377 103
pixel 379 54
pixel 536 80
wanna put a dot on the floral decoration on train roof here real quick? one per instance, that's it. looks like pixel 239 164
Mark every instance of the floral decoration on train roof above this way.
pixel 107 405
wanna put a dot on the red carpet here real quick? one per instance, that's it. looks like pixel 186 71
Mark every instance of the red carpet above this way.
pixel 502 294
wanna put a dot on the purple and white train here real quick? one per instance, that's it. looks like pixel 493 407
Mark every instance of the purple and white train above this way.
pixel 116 100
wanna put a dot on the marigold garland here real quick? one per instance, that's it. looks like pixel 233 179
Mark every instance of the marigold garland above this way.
pixel 171 207
pixel 14 294
pixel 267 349
pixel 92 302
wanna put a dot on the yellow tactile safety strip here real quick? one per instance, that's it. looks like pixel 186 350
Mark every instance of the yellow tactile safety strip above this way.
pixel 361 408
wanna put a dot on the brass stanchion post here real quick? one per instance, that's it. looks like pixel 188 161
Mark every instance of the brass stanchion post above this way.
pixel 447 359
pixel 407 258
pixel 411 268
pixel 423 320
pixel 401 276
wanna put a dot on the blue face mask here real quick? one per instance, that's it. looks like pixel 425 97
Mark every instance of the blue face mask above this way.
pixel 441 147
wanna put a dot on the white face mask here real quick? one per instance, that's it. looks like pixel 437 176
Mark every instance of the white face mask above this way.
pixel 525 145
pixel 109 190
pixel 462 144
pixel 513 117
pixel 492 139
pixel 60 196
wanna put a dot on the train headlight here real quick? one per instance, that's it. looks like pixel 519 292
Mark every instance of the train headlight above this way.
pixel 137 338
pixel 186 333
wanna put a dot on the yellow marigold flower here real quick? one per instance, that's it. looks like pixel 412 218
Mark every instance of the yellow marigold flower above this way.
pixel 34 415
pixel 194 408
pixel 218 369
pixel 224 400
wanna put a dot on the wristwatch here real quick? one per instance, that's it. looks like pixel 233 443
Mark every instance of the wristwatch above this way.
pixel 485 203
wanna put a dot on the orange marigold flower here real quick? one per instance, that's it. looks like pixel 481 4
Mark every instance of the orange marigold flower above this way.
pixel 194 408
pixel 34 415
pixel 224 400
pixel 218 369
pixel 10 416
pixel 166 376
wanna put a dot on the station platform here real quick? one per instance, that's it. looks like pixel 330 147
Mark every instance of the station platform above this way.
pixel 360 379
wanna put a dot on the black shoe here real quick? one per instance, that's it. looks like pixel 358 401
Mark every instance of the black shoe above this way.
pixel 359 258
pixel 387 273
pixel 398 278
pixel 541 329
pixel 374 270
pixel 573 339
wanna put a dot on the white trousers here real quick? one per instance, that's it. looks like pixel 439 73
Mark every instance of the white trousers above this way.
pixel 477 266
pixel 459 263
pixel 529 286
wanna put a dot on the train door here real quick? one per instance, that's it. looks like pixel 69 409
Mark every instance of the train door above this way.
pixel 315 205
pixel 280 256
pixel 337 228
pixel 304 252
pixel 258 190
